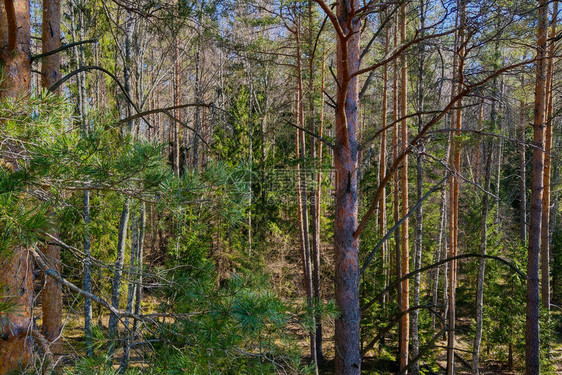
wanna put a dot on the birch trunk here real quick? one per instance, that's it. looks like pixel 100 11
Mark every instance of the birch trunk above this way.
pixel 482 263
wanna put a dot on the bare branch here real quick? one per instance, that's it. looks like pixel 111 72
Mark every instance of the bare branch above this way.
pixel 62 48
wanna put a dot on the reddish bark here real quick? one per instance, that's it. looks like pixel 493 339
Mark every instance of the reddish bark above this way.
pixel 455 157
pixel 532 348
pixel 16 280
pixel 15 41
pixel 348 357
pixel 51 301
pixel 404 230
pixel 50 38
pixel 16 277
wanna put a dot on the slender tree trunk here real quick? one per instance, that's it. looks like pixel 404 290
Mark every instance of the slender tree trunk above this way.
pixel 522 167
pixel 77 32
pixel 131 293
pixel 439 254
pixel 118 271
pixel 396 194
pixel 138 297
pixel 87 279
pixel 82 111
pixel 404 238
pixel 456 159
pixel 418 229
pixel 197 89
pixel 545 228
pixel 532 347
pixel 316 251
pixel 482 261
pixel 16 265
pixel 382 169
pixel 479 145
pixel 176 131
pixel 51 301
pixel 302 194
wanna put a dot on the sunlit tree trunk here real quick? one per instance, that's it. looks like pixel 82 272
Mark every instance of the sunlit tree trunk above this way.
pixel 482 263
pixel 454 191
pixel 522 166
pixel 348 357
pixel 418 229
pixel 16 277
pixel 197 89
pixel 50 38
pixel 316 251
pixel 404 235
pixel 118 271
pixel 87 278
pixel 545 228
pixel 532 347
pixel 396 194
pixel 176 131
pixel 382 168
pixel 131 292
pixel 302 191
pixel 51 300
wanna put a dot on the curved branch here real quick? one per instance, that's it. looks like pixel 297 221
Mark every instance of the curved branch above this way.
pixel 328 143
pixel 389 326
pixel 49 271
pixel 160 110
pixel 399 223
pixel 62 48
pixel 166 111
pixel 394 167
pixel 446 260
pixel 169 114
pixel 333 18
pixel 95 67
pixel 397 52
pixel 426 348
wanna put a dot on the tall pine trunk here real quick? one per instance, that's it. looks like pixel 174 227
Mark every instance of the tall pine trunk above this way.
pixel 454 191
pixel 532 347
pixel 418 229
pixel 16 277
pixel 51 301
pixel 348 357
pixel 545 228
pixel 382 169
pixel 404 232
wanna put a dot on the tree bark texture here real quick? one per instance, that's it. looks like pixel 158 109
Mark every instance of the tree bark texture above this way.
pixel 532 349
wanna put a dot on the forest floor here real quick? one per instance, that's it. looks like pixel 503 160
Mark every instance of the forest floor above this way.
pixel 376 363
pixel 384 363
